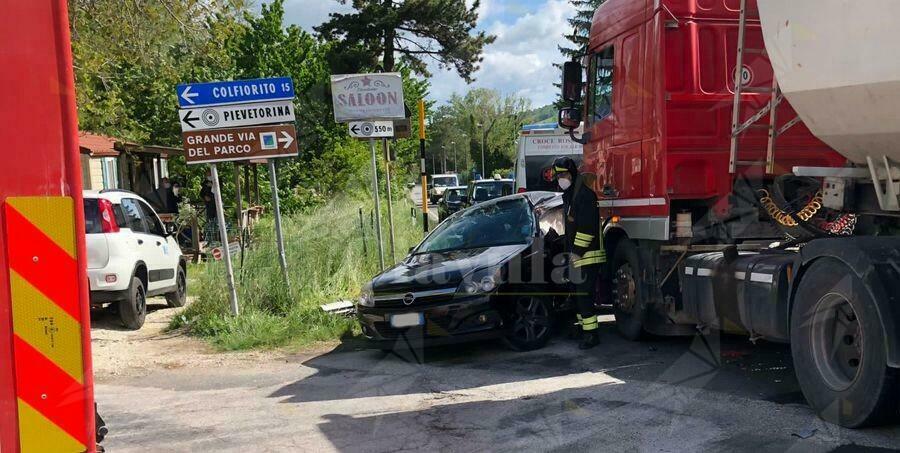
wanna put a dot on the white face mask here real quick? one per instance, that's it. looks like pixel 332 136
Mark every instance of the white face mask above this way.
pixel 564 183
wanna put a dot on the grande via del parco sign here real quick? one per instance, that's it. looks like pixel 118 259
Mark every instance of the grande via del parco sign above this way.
pixel 240 143
pixel 359 97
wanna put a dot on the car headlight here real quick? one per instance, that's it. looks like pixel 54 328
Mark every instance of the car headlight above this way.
pixel 481 281
pixel 366 296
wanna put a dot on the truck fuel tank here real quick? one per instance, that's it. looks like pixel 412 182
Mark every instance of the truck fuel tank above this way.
pixel 746 293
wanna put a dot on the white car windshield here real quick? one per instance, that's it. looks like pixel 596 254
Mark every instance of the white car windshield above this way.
pixel 490 225
pixel 444 181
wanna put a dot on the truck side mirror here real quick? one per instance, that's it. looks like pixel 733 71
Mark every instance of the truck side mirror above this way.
pixel 572 81
pixel 569 118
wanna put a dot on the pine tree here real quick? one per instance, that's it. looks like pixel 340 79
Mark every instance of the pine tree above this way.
pixel 378 31
pixel 580 35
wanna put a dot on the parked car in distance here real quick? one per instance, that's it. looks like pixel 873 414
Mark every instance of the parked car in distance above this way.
pixel 440 183
pixel 131 255
pixel 483 190
pixel 451 202
pixel 473 278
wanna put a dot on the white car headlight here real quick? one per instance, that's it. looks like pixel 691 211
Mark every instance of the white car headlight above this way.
pixel 366 296
pixel 481 281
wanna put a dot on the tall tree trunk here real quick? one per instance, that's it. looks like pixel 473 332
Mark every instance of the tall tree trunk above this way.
pixel 389 34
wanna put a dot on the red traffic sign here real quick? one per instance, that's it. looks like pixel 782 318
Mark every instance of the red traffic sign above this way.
pixel 239 143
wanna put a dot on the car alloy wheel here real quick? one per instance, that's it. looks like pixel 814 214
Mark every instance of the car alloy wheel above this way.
pixel 531 320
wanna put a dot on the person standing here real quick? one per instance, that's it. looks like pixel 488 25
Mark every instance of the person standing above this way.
pixel 209 201
pixel 584 243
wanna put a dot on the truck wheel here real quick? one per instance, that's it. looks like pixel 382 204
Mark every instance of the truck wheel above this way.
pixel 179 296
pixel 628 298
pixel 133 309
pixel 839 350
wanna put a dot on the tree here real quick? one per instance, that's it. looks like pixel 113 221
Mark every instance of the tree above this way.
pixel 416 30
pixel 581 34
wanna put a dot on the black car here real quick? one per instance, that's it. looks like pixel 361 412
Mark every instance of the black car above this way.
pixel 485 272
pixel 482 190
pixel 451 201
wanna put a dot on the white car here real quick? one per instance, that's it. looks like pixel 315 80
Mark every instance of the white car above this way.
pixel 131 255
pixel 440 183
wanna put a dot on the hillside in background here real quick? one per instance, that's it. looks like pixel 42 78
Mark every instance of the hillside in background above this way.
pixel 545 114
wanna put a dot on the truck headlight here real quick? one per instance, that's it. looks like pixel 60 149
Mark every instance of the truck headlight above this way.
pixel 480 281
pixel 366 296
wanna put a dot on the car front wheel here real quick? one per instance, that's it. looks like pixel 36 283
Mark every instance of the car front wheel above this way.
pixel 531 323
pixel 133 309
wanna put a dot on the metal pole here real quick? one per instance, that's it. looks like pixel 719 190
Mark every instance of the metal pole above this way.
pixel 279 236
pixel 390 202
pixel 377 204
pixel 223 235
pixel 424 174
pixel 483 169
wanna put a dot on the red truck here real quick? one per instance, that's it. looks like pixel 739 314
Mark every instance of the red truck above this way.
pixel 724 210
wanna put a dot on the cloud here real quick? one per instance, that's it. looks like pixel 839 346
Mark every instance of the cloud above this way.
pixel 520 61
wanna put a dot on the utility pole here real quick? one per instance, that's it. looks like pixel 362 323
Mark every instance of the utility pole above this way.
pixel 422 158
pixel 483 138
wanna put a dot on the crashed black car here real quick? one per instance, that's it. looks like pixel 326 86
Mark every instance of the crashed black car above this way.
pixel 485 272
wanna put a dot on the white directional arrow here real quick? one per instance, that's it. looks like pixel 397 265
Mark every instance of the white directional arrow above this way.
pixel 286 139
pixel 187 95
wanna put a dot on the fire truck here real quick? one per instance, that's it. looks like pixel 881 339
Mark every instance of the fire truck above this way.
pixel 745 156
pixel 46 384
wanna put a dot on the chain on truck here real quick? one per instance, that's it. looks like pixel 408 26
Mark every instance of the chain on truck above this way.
pixel 46 383
pixel 747 166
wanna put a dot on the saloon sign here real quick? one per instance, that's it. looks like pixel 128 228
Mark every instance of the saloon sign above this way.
pixel 367 97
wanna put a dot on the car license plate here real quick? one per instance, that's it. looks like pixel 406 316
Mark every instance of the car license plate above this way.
pixel 407 320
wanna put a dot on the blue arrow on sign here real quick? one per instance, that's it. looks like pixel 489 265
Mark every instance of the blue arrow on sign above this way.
pixel 234 92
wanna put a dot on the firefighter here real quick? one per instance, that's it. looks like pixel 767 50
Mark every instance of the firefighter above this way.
pixel 584 243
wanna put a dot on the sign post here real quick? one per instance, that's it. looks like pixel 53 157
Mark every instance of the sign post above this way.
pixel 370 103
pixel 390 202
pixel 233 121
pixel 223 234
pixel 377 204
pixel 279 236
pixel 423 171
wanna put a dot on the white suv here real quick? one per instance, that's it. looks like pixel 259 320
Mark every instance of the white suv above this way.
pixel 131 255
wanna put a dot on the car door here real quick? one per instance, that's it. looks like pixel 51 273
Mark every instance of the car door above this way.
pixel 142 241
pixel 162 273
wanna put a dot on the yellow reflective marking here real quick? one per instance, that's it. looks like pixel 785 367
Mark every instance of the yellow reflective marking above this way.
pixel 46 327
pixel 582 243
pixel 37 434
pixel 55 216
pixel 584 236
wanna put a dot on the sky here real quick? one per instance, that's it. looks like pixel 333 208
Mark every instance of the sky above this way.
pixel 520 61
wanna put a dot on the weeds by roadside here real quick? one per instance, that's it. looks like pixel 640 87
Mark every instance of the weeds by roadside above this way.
pixel 326 263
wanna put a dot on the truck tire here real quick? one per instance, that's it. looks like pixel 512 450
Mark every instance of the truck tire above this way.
pixel 177 298
pixel 839 351
pixel 133 309
pixel 628 298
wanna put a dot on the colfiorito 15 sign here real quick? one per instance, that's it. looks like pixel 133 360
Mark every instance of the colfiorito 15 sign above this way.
pixel 367 97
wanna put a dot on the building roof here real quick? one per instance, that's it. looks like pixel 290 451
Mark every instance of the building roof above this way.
pixel 96 145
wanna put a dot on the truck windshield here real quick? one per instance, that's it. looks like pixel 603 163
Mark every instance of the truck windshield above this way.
pixel 503 223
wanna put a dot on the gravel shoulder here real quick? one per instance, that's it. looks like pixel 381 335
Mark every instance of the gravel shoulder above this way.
pixel 118 352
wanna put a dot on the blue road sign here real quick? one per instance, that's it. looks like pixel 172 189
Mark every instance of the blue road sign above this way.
pixel 234 92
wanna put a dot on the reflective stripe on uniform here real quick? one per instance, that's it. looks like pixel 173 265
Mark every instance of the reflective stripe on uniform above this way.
pixel 583 239
pixel 561 169
pixel 591 257
pixel 580 243
pixel 590 323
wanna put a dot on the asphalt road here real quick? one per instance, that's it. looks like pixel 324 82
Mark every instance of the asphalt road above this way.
pixel 692 394
pixel 415 194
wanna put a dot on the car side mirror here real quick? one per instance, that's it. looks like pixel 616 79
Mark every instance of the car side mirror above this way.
pixel 171 229
pixel 569 118
pixel 409 252
pixel 572 81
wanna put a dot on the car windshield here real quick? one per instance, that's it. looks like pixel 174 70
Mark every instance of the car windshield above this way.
pixel 485 191
pixel 453 195
pixel 504 223
pixel 444 181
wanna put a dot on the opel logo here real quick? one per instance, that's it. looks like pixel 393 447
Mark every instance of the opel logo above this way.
pixel 408 299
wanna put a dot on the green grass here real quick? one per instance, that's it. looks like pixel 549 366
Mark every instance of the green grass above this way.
pixel 326 263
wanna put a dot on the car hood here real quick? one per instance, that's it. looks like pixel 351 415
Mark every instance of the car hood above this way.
pixel 429 271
